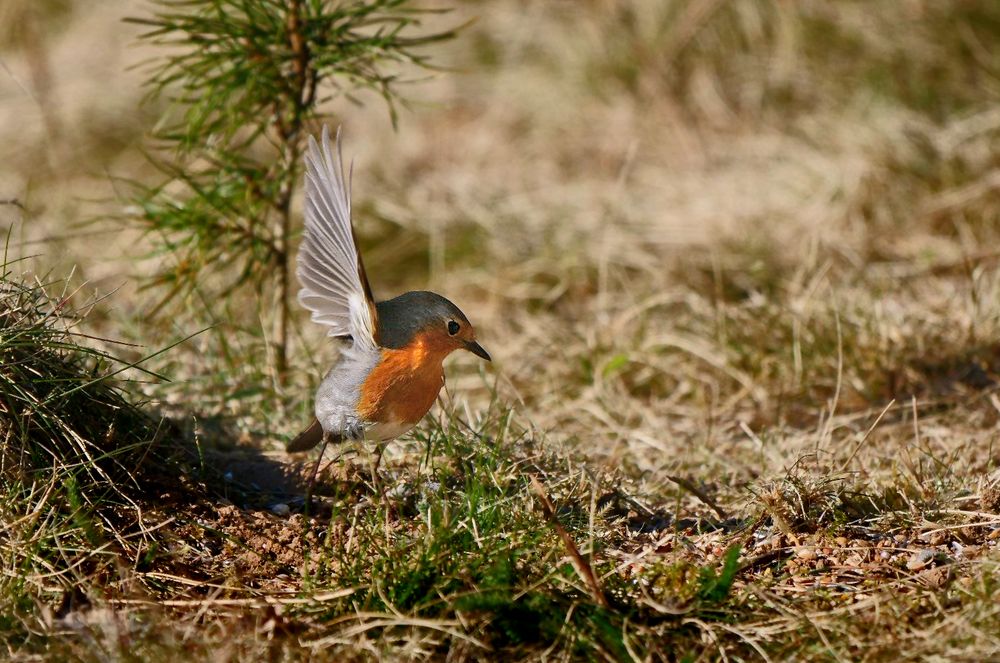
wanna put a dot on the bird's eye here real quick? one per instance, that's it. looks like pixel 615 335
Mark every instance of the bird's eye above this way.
pixel 453 327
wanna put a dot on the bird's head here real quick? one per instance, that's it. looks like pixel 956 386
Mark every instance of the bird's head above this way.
pixel 429 319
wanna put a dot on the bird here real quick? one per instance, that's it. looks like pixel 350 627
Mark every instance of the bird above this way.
pixel 390 370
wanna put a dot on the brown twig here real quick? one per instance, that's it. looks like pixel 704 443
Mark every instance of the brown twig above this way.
pixel 288 119
pixel 689 486
pixel 582 567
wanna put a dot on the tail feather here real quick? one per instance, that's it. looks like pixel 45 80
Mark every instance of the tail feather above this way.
pixel 307 439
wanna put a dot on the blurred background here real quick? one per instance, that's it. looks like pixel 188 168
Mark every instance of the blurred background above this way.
pixel 672 221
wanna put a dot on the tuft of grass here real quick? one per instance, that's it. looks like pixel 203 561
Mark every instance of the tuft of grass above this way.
pixel 57 404
pixel 73 446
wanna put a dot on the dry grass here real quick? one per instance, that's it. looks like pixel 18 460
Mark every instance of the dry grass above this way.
pixel 735 262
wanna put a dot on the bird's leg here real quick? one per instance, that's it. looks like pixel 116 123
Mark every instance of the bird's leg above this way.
pixel 315 472
pixel 374 460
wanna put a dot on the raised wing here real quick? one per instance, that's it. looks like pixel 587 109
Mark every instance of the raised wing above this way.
pixel 334 285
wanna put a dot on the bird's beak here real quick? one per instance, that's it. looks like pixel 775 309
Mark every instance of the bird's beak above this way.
pixel 477 350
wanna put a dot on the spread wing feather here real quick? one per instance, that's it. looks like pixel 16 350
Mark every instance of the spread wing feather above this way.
pixel 334 284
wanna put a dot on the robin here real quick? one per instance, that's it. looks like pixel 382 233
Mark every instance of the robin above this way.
pixel 390 369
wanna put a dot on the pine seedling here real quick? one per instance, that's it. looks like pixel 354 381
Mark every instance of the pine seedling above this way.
pixel 245 81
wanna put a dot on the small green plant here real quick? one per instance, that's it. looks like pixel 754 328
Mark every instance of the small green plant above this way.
pixel 715 585
pixel 246 80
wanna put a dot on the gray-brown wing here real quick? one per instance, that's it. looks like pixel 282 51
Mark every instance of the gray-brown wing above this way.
pixel 334 284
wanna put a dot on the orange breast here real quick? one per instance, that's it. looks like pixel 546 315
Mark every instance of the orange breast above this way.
pixel 404 384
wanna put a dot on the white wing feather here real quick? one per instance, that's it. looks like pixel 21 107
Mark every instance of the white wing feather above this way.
pixel 334 285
